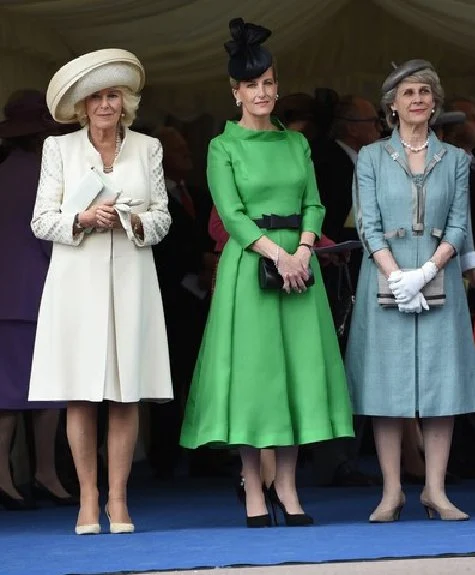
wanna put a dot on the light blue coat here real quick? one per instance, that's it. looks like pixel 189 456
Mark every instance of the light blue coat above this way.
pixel 401 364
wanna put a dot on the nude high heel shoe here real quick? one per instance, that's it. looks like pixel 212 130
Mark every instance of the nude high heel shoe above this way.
pixel 90 529
pixel 388 515
pixel 445 513
pixel 119 527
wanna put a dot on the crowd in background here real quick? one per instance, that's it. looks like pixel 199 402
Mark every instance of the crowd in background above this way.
pixel 337 127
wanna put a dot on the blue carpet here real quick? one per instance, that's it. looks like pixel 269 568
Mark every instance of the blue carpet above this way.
pixel 193 524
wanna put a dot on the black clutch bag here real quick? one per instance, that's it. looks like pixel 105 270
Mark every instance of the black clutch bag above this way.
pixel 270 279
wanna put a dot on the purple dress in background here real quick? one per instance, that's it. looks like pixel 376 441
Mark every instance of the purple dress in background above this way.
pixel 23 266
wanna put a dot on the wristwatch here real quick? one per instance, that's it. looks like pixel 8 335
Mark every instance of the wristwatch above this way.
pixel 136 226
pixel 76 223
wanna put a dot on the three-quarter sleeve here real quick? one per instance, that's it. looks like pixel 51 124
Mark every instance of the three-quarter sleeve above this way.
pixel 48 223
pixel 156 220
pixel 456 226
pixel 366 208
pixel 313 211
pixel 226 197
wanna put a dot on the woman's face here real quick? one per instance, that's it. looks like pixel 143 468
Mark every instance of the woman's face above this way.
pixel 104 108
pixel 257 96
pixel 414 103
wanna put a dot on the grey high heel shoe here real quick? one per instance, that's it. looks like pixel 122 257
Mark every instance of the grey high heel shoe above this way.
pixel 445 513
pixel 388 515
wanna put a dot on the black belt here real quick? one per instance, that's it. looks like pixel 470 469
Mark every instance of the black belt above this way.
pixel 274 222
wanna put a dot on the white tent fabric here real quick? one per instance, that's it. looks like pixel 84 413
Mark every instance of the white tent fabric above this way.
pixel 450 20
pixel 345 44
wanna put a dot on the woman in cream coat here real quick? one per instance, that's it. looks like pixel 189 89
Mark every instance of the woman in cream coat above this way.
pixel 101 335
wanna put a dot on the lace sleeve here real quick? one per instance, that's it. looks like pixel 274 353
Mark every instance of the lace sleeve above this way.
pixel 48 222
pixel 156 220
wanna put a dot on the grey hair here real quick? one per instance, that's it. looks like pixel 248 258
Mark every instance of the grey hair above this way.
pixel 130 104
pixel 425 76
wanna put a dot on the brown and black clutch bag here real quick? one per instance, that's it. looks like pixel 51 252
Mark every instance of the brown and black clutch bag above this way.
pixel 433 292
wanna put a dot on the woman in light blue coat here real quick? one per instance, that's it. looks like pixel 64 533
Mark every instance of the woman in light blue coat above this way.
pixel 410 351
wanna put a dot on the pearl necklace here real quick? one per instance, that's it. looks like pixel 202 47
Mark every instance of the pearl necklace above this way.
pixel 118 142
pixel 413 148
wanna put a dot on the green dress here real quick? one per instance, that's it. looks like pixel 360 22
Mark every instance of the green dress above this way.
pixel 269 372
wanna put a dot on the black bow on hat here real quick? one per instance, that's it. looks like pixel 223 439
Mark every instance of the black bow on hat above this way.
pixel 247 58
pixel 404 71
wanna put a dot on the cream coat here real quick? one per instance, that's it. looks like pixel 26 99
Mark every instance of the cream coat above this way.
pixel 101 331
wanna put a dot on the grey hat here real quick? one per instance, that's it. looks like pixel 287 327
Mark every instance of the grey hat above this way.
pixel 403 71
pixel 449 118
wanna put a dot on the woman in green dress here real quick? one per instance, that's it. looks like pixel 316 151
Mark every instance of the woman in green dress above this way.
pixel 269 372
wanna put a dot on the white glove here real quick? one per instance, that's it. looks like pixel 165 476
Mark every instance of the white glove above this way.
pixel 406 284
pixel 122 207
pixel 128 201
pixel 416 305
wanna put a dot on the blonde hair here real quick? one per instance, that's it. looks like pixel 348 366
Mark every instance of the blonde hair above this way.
pixel 130 104
pixel 425 76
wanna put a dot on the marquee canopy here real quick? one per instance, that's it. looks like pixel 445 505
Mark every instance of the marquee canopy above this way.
pixel 345 44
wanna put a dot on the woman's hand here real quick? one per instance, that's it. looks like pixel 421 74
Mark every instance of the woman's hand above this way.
pixel 294 269
pixel 303 254
pixel 100 216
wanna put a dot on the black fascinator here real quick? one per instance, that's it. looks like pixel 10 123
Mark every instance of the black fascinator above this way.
pixel 247 58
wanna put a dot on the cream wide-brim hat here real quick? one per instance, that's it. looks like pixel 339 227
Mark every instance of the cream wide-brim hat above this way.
pixel 88 74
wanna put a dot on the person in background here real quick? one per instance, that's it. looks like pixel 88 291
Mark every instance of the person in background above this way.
pixel 457 127
pixel 297 112
pixel 354 124
pixel 181 261
pixel 24 260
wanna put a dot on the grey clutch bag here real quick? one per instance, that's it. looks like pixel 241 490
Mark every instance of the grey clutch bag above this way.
pixel 434 291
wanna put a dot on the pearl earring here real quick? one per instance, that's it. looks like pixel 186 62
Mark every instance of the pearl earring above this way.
pixel 394 113
pixel 122 115
pixel 276 97
pixel 433 111
pixel 238 103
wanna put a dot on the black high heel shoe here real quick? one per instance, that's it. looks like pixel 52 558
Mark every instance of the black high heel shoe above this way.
pixel 40 491
pixel 291 519
pixel 258 520
pixel 14 503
